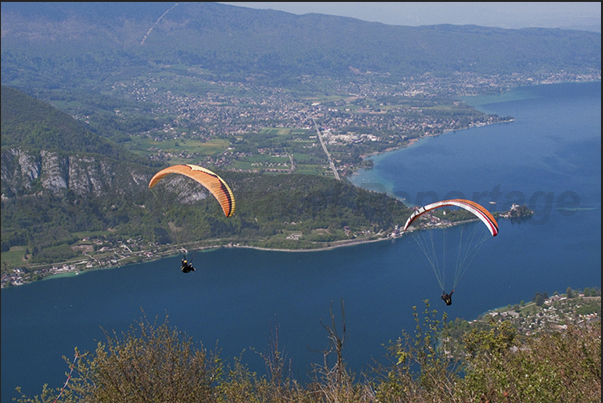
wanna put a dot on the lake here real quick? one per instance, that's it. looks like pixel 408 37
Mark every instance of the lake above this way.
pixel 549 158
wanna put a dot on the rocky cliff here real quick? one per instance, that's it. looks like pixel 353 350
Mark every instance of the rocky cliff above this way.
pixel 27 172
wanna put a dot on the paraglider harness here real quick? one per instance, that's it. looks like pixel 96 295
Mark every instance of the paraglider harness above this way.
pixel 187 266
pixel 447 297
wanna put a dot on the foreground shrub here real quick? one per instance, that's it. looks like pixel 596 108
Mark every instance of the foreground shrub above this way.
pixel 154 363
pixel 149 363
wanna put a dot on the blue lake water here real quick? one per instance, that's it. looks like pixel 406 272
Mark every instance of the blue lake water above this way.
pixel 550 157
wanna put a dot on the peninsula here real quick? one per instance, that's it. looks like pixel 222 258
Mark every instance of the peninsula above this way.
pixel 99 252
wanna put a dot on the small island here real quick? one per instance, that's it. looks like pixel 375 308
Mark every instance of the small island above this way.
pixel 443 218
pixel 516 213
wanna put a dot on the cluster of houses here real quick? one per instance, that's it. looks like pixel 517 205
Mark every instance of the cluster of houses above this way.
pixel 551 316
pixel 16 277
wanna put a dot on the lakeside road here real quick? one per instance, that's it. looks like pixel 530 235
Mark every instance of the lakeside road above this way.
pixel 71 267
pixel 67 268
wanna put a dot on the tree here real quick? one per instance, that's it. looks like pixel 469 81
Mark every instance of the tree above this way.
pixel 550 368
pixel 495 363
pixel 149 363
pixel 421 370
pixel 569 293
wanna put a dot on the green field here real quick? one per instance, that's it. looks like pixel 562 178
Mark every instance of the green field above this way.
pixel 146 146
pixel 279 131
pixel 14 257
pixel 261 162
pixel 284 131
pixel 85 234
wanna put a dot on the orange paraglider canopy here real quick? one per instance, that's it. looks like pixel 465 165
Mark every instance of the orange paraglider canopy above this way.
pixel 207 178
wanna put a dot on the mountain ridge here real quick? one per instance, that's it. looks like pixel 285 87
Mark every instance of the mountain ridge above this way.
pixel 227 39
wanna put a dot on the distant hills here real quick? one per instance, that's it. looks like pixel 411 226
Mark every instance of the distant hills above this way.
pixel 61 43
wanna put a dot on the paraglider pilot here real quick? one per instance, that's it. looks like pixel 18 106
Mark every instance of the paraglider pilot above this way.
pixel 447 297
pixel 187 266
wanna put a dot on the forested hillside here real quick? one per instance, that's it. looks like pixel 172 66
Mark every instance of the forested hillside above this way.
pixel 56 192
pixel 31 124
pixel 67 44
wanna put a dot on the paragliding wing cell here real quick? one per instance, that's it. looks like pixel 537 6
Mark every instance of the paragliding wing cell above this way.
pixel 479 211
pixel 207 178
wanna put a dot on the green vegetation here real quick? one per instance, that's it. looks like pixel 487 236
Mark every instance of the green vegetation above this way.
pixel 175 151
pixel 155 362
pixel 30 123
pixel 225 42
pixel 127 104
pixel 268 208
pixel 59 196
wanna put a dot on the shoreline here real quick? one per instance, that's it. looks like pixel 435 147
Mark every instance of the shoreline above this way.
pixel 332 245
pixel 415 140
pixel 341 244
pixel 72 270
pixel 76 271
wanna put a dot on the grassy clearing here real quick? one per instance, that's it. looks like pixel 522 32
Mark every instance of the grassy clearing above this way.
pixel 148 146
pixel 278 131
pixel 14 257
pixel 87 234
pixel 284 131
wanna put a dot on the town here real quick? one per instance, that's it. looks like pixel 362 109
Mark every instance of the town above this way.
pixel 552 313
pixel 542 314
pixel 241 126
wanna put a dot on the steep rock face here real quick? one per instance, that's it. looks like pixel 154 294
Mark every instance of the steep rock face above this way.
pixel 29 164
pixel 53 167
pixel 34 172
pixel 19 170
pixel 86 176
